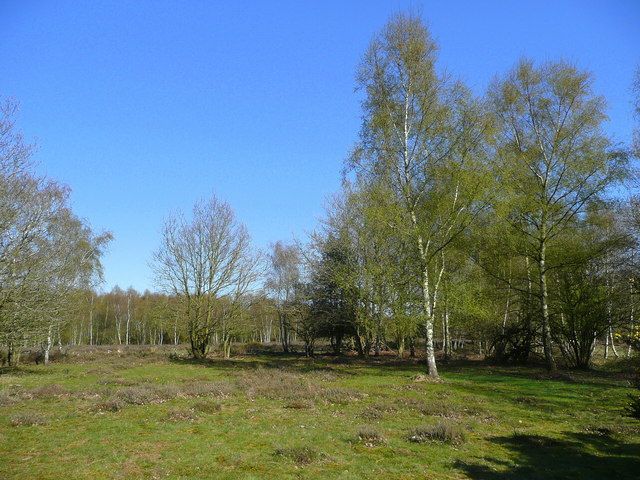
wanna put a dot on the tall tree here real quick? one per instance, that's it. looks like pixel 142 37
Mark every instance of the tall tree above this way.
pixel 636 111
pixel 554 161
pixel 45 250
pixel 283 280
pixel 422 136
pixel 208 263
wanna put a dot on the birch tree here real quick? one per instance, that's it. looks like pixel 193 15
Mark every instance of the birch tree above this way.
pixel 208 263
pixel 45 250
pixel 554 161
pixel 422 135
pixel 636 110
pixel 284 277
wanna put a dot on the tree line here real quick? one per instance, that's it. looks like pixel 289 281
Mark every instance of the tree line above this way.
pixel 506 221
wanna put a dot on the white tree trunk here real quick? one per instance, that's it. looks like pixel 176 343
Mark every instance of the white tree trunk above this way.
pixel 128 319
pixel 546 327
pixel 631 317
pixel 47 347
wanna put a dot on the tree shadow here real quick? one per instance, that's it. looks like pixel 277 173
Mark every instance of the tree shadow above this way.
pixel 298 361
pixel 279 361
pixel 581 456
pixel 383 364
pixel 21 370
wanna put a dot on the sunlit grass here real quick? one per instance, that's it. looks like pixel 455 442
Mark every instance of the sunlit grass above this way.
pixel 291 417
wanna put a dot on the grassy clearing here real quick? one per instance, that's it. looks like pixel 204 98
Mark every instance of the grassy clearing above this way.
pixel 148 416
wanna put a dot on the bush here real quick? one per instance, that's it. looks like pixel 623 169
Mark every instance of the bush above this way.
pixel 177 357
pixel 300 455
pixel 32 356
pixel 166 392
pixel 110 405
pixel 340 396
pixel 253 348
pixel 116 381
pixel 207 407
pixel 609 429
pixel 378 411
pixel 443 432
pixel 296 389
pixel 276 385
pixel 27 419
pixel 137 395
pixel 370 436
pixel 182 415
pixel 301 404
pixel 6 398
pixel 207 389
pixel 145 394
pixel 46 391
pixel 56 355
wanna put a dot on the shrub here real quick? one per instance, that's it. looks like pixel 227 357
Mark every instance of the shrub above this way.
pixel 6 398
pixel 609 429
pixel 378 410
pixel 300 455
pixel 32 356
pixel 177 357
pixel 46 391
pixel 137 395
pixel 27 419
pixel 110 405
pixel 443 432
pixel 207 407
pixel 300 404
pixel 206 389
pixel 56 355
pixel 426 378
pixel 166 392
pixel 340 396
pixel 370 436
pixel 253 348
pixel 145 394
pixel 182 415
pixel 275 385
pixel 633 407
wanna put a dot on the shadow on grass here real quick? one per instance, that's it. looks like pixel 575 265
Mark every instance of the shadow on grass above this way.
pixel 21 370
pixel 384 363
pixel 582 456
pixel 301 364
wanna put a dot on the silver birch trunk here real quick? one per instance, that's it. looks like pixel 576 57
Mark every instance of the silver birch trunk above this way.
pixel 47 347
pixel 546 327
pixel 128 319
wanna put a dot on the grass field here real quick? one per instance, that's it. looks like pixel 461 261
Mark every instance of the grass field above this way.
pixel 144 415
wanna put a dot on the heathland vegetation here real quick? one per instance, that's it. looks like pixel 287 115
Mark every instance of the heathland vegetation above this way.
pixel 467 308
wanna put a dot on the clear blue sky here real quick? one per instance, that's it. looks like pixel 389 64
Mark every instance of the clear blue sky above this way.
pixel 142 107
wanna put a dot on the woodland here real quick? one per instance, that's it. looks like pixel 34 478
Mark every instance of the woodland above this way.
pixel 466 308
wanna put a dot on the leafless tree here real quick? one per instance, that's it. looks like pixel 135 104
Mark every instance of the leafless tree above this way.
pixel 208 263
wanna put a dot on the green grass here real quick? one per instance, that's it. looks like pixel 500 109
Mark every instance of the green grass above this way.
pixel 283 417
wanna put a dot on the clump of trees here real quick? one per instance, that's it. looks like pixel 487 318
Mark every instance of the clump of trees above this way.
pixel 47 254
pixel 501 223
pixel 500 219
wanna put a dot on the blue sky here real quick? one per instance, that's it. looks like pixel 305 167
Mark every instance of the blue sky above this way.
pixel 143 107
